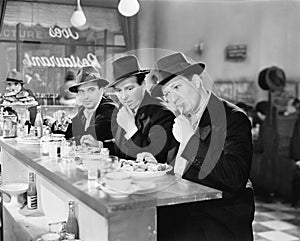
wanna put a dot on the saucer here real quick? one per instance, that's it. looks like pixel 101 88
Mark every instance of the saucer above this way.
pixel 14 188
pixel 145 187
pixel 81 167
pixel 118 194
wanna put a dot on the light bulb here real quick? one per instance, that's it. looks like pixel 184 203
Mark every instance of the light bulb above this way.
pixel 78 18
pixel 128 8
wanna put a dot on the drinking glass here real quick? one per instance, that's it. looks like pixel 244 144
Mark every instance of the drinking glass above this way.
pixel 105 165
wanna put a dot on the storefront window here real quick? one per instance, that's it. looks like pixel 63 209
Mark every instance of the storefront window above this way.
pixel 45 54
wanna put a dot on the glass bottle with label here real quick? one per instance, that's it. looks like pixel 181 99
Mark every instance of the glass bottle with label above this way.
pixel 72 223
pixel 38 123
pixel 1 121
pixel 32 192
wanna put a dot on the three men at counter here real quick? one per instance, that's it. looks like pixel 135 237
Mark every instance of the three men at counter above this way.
pixel 208 141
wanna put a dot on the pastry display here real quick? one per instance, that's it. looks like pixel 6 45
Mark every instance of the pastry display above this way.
pixel 21 98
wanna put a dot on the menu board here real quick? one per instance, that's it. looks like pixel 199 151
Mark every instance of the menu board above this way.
pixel 237 91
pixel 236 52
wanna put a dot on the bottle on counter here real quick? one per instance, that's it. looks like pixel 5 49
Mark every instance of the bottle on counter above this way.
pixel 1 121
pixel 45 142
pixel 38 123
pixel 72 223
pixel 32 192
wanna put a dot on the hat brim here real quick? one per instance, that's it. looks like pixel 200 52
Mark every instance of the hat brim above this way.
pixel 14 80
pixel 103 83
pixel 262 79
pixel 197 68
pixel 118 80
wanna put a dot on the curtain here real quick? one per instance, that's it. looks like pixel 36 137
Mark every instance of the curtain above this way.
pixel 46 15
pixel 130 30
pixel 2 11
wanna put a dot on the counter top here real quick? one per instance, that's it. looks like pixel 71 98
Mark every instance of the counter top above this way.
pixel 74 181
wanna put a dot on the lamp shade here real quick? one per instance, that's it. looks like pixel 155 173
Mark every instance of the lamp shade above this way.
pixel 128 8
pixel 78 18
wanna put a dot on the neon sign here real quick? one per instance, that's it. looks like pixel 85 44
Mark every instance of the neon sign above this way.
pixel 62 62
pixel 57 32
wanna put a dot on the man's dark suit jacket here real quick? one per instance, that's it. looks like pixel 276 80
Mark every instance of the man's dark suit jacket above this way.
pixel 295 140
pixel 219 155
pixel 100 125
pixel 154 134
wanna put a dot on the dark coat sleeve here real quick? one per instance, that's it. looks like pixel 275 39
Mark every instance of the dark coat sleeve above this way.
pixel 103 122
pixel 295 141
pixel 158 139
pixel 32 109
pixel 154 135
pixel 232 169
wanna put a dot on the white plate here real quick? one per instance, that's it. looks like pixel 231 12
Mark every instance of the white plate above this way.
pixel 118 194
pixel 28 141
pixel 145 187
pixel 14 188
pixel 148 174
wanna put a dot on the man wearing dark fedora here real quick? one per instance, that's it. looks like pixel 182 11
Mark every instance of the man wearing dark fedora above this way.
pixel 92 124
pixel 215 150
pixel 15 88
pixel 144 126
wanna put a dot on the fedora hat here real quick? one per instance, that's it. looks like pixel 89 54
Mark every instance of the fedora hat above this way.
pixel 173 65
pixel 272 78
pixel 86 75
pixel 125 67
pixel 14 76
pixel 275 78
pixel 262 79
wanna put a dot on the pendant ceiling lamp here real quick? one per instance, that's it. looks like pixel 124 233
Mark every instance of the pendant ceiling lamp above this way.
pixel 128 8
pixel 78 18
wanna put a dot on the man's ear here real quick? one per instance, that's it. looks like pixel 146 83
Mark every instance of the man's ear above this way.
pixel 197 81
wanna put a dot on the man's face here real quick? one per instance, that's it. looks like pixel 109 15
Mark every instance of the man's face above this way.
pixel 13 87
pixel 89 94
pixel 129 92
pixel 183 94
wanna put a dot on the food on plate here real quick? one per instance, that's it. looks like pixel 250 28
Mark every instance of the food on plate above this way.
pixel 145 156
pixel 8 94
pixel 21 98
pixel 22 94
pixel 142 166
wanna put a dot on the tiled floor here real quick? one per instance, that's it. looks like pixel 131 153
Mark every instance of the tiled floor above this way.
pixel 276 221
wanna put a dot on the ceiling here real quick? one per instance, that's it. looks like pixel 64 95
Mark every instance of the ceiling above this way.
pixel 87 3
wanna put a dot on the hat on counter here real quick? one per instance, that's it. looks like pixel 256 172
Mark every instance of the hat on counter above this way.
pixel 272 78
pixel 86 75
pixel 14 76
pixel 173 65
pixel 125 67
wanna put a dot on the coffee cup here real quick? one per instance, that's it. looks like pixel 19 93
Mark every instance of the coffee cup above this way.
pixel 118 180
pixel 49 237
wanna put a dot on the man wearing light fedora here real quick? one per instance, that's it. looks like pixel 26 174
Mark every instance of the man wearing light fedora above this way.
pixel 215 150
pixel 143 124
pixel 92 124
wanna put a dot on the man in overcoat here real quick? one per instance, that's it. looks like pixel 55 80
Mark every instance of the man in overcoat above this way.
pixel 215 150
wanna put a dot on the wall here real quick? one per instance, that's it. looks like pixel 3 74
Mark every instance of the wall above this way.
pixel 269 28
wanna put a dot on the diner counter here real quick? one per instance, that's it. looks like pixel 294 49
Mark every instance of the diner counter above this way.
pixel 58 176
